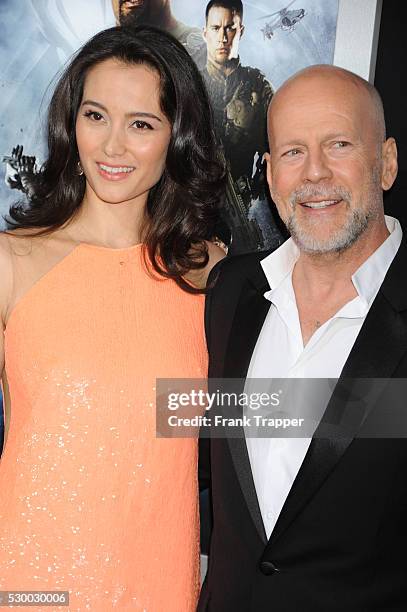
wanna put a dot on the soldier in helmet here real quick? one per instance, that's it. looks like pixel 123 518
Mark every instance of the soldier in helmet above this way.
pixel 240 96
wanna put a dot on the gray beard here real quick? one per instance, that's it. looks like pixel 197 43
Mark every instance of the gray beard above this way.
pixel 357 221
pixel 345 237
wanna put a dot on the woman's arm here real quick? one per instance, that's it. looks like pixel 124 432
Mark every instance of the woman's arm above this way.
pixel 6 285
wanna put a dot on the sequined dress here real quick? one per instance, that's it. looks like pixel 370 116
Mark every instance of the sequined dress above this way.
pixel 91 501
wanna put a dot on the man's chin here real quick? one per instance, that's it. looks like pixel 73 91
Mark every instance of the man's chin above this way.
pixel 136 16
pixel 337 242
pixel 222 58
pixel 319 247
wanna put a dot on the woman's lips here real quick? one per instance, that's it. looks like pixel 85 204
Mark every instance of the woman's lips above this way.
pixel 114 173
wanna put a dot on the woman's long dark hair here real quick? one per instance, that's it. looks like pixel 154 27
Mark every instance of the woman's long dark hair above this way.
pixel 182 208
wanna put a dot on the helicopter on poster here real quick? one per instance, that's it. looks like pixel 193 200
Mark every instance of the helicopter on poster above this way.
pixel 284 19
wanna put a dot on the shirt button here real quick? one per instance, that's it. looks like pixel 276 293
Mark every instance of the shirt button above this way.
pixel 269 515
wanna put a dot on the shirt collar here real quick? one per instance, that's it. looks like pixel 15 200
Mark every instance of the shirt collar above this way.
pixel 370 275
pixel 367 279
pixel 280 263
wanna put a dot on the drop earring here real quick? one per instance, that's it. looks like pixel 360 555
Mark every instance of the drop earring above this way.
pixel 79 168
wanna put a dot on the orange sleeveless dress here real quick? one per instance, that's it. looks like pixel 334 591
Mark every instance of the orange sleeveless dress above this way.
pixel 91 502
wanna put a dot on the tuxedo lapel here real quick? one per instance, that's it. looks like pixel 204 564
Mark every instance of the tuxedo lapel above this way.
pixel 380 345
pixel 248 321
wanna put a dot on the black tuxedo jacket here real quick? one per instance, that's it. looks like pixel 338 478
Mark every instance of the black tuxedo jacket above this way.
pixel 340 543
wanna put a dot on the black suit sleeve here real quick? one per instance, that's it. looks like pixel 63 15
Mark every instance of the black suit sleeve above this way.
pixel 204 468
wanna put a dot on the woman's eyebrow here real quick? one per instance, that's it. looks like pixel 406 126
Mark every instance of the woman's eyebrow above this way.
pixel 131 114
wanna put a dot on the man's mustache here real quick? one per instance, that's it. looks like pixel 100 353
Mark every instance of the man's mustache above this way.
pixel 313 192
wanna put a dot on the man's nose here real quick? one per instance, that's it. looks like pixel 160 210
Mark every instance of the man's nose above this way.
pixel 316 166
pixel 223 36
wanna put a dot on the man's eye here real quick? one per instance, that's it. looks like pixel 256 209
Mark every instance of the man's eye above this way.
pixel 291 153
pixel 142 125
pixel 93 115
pixel 340 144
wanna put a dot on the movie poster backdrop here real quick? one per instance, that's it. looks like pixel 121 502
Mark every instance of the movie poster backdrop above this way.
pixel 37 37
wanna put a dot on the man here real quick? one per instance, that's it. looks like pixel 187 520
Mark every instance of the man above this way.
pixel 240 96
pixel 158 13
pixel 300 524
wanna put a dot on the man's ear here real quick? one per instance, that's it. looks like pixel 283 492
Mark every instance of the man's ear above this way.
pixel 389 163
pixel 267 159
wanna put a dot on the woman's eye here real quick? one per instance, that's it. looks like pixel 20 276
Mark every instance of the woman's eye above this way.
pixel 94 115
pixel 142 125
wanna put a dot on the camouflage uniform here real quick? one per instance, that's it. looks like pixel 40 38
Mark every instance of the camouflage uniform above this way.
pixel 239 102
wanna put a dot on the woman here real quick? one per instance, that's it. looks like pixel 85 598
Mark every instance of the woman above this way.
pixel 103 276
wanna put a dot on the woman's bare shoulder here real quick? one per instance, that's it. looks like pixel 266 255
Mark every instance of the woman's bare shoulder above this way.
pixel 35 241
pixel 5 247
pixel 6 273
pixel 17 240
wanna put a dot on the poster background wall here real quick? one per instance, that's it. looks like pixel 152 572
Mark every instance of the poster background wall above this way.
pixel 37 37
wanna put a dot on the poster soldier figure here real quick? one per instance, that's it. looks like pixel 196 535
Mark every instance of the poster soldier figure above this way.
pixel 240 96
pixel 158 13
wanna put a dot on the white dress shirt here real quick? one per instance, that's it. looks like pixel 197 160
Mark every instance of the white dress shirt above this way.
pixel 280 353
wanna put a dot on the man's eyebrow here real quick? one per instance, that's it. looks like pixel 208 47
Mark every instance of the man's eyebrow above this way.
pixel 297 142
pixel 290 143
pixel 132 114
pixel 337 136
pixel 219 25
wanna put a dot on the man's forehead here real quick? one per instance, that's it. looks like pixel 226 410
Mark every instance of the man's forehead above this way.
pixel 220 14
pixel 325 96
pixel 319 128
pixel 323 85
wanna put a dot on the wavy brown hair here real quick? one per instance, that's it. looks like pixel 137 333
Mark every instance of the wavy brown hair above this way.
pixel 182 208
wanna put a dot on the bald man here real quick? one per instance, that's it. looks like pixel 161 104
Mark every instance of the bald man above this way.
pixel 315 523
